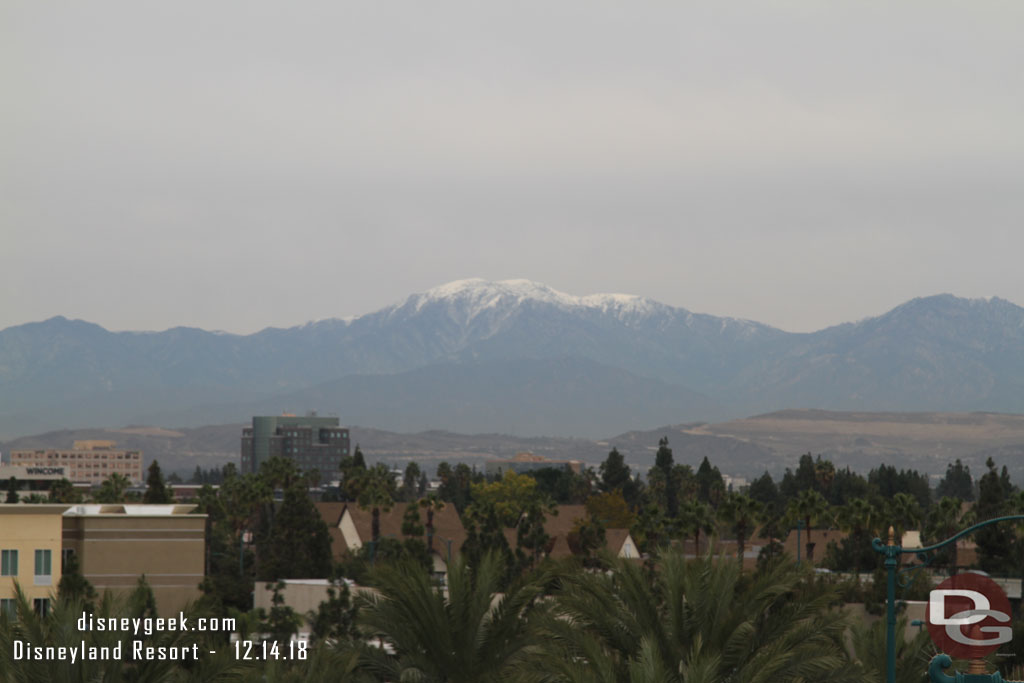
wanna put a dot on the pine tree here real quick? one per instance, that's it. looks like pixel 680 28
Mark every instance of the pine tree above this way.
pixel 957 483
pixel 74 586
pixel 335 617
pixel 294 542
pixel 710 485
pixel 113 489
pixel 994 541
pixel 664 465
pixel 156 490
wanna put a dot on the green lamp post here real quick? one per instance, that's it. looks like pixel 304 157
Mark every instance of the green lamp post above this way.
pixel 892 553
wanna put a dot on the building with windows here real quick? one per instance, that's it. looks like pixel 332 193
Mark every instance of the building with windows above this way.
pixel 116 544
pixel 29 479
pixel 312 442
pixel 30 553
pixel 87 462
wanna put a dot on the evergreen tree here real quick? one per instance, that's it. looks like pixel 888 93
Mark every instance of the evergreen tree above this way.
pixel 64 491
pixel 957 483
pixel 156 490
pixel 410 482
pixel 294 542
pixel 663 463
pixel 887 482
pixel 710 485
pixel 764 490
pixel 282 621
pixel 994 541
pixel 358 461
pixel 113 489
pixel 335 617
pixel 801 480
pixel 352 467
pixel 411 523
pixel 12 490
pixel 455 484
pixel 74 586
pixel 614 474
pixel 847 486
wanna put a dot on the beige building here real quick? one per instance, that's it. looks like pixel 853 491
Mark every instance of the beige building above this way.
pixel 30 553
pixel 116 544
pixel 88 461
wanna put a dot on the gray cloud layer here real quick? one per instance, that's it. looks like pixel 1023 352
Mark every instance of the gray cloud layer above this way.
pixel 236 165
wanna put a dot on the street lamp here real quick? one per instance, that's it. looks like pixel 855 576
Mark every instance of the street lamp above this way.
pixel 892 553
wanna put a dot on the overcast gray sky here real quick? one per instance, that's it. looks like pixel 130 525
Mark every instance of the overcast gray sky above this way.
pixel 235 165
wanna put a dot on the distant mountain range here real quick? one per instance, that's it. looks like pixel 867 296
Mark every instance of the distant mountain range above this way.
pixel 515 357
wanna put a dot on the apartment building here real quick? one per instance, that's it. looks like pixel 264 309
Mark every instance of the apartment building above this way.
pixel 30 553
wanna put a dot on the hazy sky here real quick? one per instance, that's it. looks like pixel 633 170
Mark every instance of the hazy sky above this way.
pixel 234 165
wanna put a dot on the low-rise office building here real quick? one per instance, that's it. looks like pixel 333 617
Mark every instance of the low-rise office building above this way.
pixel 88 462
pixel 29 479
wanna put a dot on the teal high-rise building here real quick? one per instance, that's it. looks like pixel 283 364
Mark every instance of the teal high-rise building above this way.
pixel 310 441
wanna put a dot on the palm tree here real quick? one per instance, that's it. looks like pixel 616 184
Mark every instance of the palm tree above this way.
pixel 867 640
pixel 375 489
pixel 905 513
pixel 465 636
pixel 701 621
pixel 432 504
pixel 811 507
pixel 694 517
pixel 945 518
pixel 741 512
pixel 860 519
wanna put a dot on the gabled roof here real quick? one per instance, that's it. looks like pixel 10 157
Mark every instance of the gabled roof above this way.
pixel 559 526
pixel 447 525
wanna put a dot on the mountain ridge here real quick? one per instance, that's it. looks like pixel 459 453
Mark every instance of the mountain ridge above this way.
pixel 939 352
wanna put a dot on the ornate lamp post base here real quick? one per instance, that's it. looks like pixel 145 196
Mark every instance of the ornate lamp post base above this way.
pixel 975 672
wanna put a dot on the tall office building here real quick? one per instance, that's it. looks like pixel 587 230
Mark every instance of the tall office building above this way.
pixel 311 442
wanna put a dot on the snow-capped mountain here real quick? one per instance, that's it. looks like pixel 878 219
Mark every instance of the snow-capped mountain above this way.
pixel 938 352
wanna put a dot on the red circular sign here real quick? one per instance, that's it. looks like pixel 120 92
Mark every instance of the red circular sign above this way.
pixel 968 616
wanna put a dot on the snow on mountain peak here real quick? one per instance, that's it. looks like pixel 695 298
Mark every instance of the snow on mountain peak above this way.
pixel 478 295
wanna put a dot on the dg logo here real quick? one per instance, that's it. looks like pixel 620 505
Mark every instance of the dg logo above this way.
pixel 968 616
